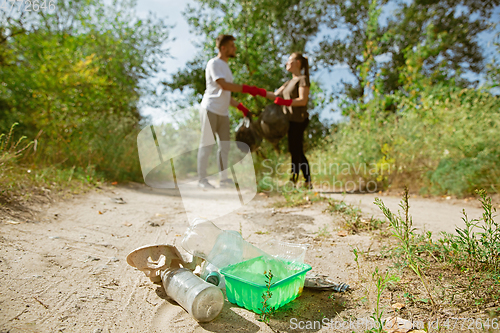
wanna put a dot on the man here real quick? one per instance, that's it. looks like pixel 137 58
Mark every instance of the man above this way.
pixel 214 111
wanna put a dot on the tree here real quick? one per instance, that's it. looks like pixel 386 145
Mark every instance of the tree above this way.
pixel 75 76
pixel 455 25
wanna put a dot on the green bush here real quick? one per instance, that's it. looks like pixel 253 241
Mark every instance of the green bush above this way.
pixel 443 140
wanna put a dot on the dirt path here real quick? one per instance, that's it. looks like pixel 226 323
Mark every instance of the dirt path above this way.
pixel 66 272
pixel 436 214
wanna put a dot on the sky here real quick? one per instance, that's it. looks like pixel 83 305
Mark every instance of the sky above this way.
pixel 183 50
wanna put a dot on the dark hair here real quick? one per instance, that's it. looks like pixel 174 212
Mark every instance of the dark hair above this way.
pixel 304 64
pixel 223 40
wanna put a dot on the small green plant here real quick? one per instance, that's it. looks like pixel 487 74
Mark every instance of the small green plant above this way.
pixel 352 216
pixel 482 249
pixel 409 297
pixel 266 310
pixel 323 232
pixel 381 282
pixel 349 213
pixel 298 197
pixel 402 228
pixel 355 251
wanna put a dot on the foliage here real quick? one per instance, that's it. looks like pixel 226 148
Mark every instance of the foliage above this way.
pixel 298 197
pixel 402 228
pixel 469 258
pixel 72 79
pixel 381 283
pixel 20 184
pixel 10 150
pixel 477 246
pixel 444 33
pixel 353 220
pixel 442 140
pixel 266 33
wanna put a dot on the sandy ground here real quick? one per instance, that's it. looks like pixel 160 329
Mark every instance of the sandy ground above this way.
pixel 65 271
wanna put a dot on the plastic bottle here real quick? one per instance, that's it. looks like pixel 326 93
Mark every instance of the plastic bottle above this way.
pixel 200 237
pixel 200 299
pixel 210 273
pixel 218 247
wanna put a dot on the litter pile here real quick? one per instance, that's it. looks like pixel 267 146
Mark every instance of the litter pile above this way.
pixel 229 265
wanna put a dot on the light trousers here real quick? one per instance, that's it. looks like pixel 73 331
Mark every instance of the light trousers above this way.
pixel 213 127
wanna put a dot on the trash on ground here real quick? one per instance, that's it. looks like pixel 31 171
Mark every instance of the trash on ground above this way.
pixel 200 299
pixel 397 325
pixel 342 233
pixel 161 263
pixel 397 306
pixel 231 264
pixel 240 267
pixel 246 282
pixel 118 200
pixel 283 250
pixel 322 282
pixel 218 247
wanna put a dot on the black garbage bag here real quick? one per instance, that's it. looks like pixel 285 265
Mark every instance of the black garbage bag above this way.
pixel 273 123
pixel 246 133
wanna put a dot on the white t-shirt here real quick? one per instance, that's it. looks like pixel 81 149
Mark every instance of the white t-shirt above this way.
pixel 215 98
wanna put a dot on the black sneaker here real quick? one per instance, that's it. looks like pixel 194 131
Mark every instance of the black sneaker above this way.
pixel 205 184
pixel 227 183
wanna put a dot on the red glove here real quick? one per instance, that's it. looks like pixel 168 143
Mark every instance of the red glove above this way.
pixel 281 101
pixel 253 90
pixel 243 109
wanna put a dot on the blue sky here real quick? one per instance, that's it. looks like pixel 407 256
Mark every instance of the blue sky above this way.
pixel 182 50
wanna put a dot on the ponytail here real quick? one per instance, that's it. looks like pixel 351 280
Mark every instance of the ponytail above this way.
pixel 304 64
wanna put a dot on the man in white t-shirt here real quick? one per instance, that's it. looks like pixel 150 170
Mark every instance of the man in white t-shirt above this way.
pixel 214 111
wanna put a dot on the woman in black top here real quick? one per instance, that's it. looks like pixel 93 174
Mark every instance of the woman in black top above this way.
pixel 294 95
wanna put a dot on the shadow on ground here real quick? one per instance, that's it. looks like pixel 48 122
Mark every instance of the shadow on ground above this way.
pixel 310 306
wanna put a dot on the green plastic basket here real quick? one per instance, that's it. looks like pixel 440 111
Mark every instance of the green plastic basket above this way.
pixel 246 283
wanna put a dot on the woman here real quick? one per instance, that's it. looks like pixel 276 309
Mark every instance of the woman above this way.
pixel 294 95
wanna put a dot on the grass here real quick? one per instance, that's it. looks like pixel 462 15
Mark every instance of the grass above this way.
pixel 23 182
pixel 402 228
pixel 481 247
pixel 299 197
pixel 323 232
pixel 381 283
pixel 443 142
pixel 352 217
pixel 457 272
pixel 451 275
